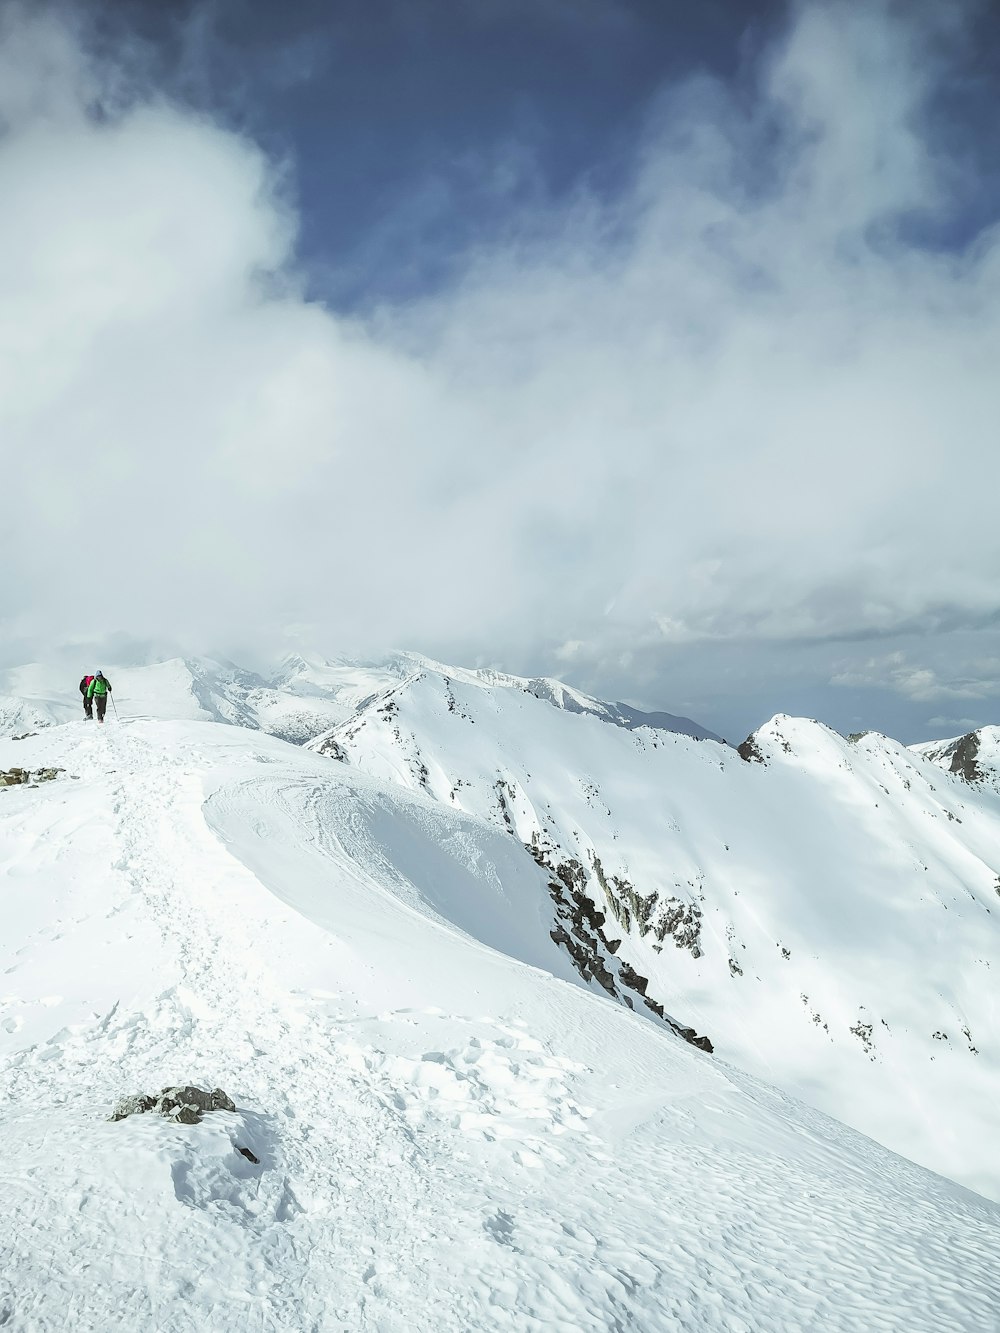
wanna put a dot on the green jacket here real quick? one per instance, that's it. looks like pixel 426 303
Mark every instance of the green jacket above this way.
pixel 99 685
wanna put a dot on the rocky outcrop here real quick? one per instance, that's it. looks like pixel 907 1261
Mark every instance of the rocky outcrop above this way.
pixel 579 929
pixel 183 1105
pixel 963 760
pixel 750 751
pixel 19 777
pixel 650 914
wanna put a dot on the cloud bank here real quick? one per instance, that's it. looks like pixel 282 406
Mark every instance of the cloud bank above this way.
pixel 745 402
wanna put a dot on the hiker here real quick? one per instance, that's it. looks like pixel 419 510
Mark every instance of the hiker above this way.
pixel 98 691
pixel 88 703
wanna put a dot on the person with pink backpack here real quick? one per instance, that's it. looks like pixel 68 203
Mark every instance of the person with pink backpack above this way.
pixel 88 702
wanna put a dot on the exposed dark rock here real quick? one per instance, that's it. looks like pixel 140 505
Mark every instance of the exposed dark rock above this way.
pixel 751 751
pixel 682 922
pixel 632 978
pixel 863 1032
pixel 505 792
pixel 588 961
pixel 963 761
pixel 579 929
pixel 333 749
pixel 185 1105
pixel 249 1156
pixel 136 1104
pixel 692 1038
pixel 676 918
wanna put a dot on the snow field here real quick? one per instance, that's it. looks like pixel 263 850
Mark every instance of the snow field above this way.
pixel 453 1133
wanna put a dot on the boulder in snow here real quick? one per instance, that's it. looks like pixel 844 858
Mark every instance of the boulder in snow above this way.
pixel 184 1105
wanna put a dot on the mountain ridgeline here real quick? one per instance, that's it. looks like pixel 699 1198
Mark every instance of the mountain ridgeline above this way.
pixel 819 910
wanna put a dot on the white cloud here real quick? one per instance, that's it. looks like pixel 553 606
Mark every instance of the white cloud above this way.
pixel 920 683
pixel 734 403
pixel 957 724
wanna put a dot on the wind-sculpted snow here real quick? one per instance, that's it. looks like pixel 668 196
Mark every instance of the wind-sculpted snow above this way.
pixel 826 911
pixel 453 1133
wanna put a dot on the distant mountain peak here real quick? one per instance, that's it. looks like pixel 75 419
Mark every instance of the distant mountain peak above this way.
pixel 973 757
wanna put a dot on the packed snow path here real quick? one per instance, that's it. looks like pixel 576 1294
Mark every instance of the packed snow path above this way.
pixel 452 1134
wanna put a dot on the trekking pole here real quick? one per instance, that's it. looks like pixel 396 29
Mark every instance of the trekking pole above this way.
pixel 113 704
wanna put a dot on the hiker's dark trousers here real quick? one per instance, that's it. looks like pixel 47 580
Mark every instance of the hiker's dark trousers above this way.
pixel 88 707
pixel 102 704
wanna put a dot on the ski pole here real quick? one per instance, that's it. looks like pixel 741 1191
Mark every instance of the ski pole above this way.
pixel 114 705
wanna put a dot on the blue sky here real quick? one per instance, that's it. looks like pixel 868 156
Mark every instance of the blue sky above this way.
pixel 649 345
pixel 415 129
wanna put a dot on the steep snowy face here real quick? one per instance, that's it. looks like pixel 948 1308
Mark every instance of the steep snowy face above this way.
pixel 438 1127
pixel 824 911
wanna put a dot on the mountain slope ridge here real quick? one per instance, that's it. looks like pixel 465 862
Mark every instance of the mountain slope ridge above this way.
pixel 827 915
pixel 220 906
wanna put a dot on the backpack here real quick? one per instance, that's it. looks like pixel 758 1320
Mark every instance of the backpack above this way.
pixel 84 683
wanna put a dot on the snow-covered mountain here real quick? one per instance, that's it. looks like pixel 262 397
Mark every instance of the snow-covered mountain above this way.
pixel 824 910
pixel 974 756
pixel 438 958
pixel 305 697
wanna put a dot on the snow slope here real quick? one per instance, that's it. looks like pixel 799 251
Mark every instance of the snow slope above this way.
pixel 454 1131
pixel 825 911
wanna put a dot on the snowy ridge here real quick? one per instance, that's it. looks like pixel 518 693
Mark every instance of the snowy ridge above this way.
pixel 824 911
pixel 560 695
pixel 305 697
pixel 435 1098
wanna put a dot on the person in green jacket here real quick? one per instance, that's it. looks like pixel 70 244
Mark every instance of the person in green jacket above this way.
pixel 98 690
